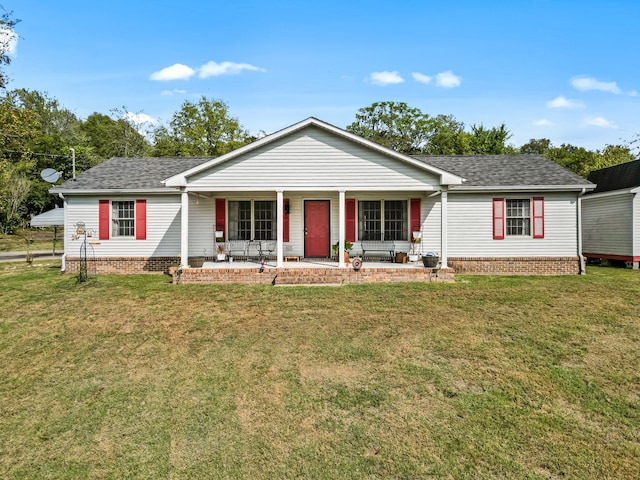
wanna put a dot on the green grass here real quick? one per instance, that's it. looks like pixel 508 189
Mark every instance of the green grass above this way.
pixel 36 238
pixel 490 377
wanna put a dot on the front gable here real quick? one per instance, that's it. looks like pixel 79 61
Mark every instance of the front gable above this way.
pixel 314 156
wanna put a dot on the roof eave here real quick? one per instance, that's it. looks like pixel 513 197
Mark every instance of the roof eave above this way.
pixel 522 188
pixel 109 191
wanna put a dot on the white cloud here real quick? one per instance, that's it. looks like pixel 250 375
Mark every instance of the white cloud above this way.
pixel 213 69
pixel 168 93
pixel 421 78
pixel 600 122
pixel 138 118
pixel 448 80
pixel 8 40
pixel 177 71
pixel 585 84
pixel 543 122
pixel 386 78
pixel 562 102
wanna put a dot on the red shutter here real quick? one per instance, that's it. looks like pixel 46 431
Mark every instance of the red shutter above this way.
pixel 498 218
pixel 285 221
pixel 104 224
pixel 141 219
pixel 221 216
pixel 414 215
pixel 538 217
pixel 350 219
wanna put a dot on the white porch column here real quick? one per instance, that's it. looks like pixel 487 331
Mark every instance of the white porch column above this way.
pixel 443 228
pixel 341 229
pixel 184 230
pixel 280 222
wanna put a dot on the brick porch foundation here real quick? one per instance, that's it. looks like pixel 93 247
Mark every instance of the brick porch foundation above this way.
pixel 307 276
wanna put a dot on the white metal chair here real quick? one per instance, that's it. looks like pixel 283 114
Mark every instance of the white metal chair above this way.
pixel 237 247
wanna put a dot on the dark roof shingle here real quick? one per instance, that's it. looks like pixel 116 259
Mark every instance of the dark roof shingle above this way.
pixel 617 177
pixel 131 173
pixel 505 170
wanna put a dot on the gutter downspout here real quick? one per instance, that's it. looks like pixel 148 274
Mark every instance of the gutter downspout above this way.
pixel 583 269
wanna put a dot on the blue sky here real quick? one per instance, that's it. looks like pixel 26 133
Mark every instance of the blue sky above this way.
pixel 563 70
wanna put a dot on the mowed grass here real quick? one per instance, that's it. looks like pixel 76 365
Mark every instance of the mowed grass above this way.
pixel 33 239
pixel 490 377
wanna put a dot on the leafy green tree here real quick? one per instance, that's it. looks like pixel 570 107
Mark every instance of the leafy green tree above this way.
pixel 109 137
pixel 447 137
pixel 612 155
pixel 490 141
pixel 18 127
pixel 539 146
pixel 577 159
pixel 7 24
pixel 204 128
pixel 407 130
pixel 394 125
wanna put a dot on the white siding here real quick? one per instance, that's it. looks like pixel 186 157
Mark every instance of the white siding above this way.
pixel 607 224
pixel 202 212
pixel 163 228
pixel 471 227
pixel 314 159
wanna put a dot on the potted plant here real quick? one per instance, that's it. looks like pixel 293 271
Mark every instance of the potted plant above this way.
pixel 347 246
pixel 431 260
pixel 413 255
pixel 220 256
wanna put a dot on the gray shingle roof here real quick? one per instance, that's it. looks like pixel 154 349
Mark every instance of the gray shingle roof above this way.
pixel 130 173
pixel 505 170
pixel 617 177
pixel 483 171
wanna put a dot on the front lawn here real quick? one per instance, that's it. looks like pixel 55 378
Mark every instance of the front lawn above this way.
pixel 489 377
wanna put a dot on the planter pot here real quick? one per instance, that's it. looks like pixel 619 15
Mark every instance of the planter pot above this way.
pixel 413 257
pixel 221 257
pixel 430 262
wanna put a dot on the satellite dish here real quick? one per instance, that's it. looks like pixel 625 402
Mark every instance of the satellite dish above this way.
pixel 50 175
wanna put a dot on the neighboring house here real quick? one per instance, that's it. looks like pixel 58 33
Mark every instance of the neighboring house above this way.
pixel 611 214
pixel 311 185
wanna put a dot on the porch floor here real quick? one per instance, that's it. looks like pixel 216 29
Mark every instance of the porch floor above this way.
pixel 306 263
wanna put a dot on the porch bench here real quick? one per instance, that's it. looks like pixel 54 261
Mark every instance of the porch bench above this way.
pixel 379 246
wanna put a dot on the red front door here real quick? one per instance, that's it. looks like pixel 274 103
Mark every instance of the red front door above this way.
pixel 316 228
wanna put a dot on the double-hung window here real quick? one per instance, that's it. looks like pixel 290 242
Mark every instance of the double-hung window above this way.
pixel 518 217
pixel 382 220
pixel 123 218
pixel 252 220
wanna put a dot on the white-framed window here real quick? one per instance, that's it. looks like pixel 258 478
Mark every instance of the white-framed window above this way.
pixel 123 222
pixel 382 220
pixel 518 217
pixel 252 220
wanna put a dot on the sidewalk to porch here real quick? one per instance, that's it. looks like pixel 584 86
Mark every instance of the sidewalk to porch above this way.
pixel 308 272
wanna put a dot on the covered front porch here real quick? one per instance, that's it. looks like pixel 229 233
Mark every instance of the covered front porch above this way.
pixel 317 227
